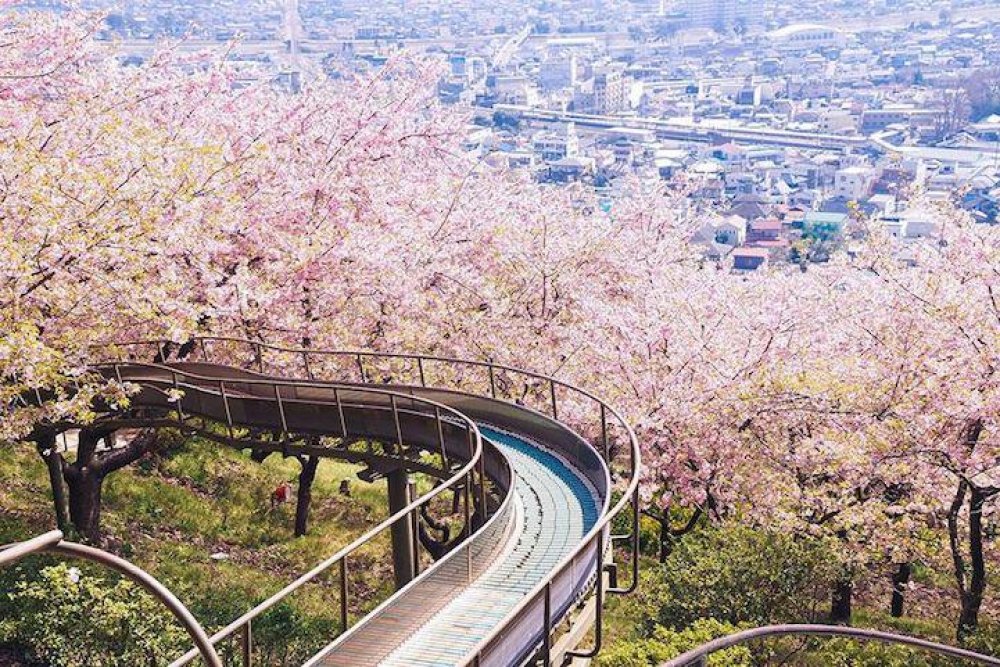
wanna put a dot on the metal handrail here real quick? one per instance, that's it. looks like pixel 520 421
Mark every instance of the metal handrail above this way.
pixel 595 535
pixel 18 550
pixel 53 542
pixel 697 656
pixel 206 383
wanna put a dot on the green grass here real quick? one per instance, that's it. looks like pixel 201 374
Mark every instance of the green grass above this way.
pixel 170 513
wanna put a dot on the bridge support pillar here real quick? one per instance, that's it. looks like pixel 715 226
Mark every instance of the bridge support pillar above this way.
pixel 402 530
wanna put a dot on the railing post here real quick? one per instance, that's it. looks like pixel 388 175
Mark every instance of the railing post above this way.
pixel 361 368
pixel 246 644
pixel 604 434
pixel 281 411
pixel 493 382
pixel 204 350
pixel 395 419
pixel 468 524
pixel 420 369
pixel 180 408
pixel 414 527
pixel 343 594
pixel 482 488
pixel 340 412
pixel 440 429
pixel 259 351
pixel 547 627
pixel 225 404
pixel 305 364
pixel 552 393
pixel 599 601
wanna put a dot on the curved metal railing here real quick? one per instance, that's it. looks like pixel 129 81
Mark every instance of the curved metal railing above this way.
pixel 282 392
pixel 536 609
pixel 699 655
pixel 53 542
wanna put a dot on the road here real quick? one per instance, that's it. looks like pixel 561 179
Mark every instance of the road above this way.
pixel 897 21
pixel 692 132
pixel 293 33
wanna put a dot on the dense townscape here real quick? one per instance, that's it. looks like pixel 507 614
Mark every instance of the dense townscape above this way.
pixel 781 120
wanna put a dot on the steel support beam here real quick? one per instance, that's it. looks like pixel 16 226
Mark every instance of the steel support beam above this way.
pixel 402 530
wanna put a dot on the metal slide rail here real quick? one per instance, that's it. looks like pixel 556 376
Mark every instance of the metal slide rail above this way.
pixel 228 394
pixel 536 615
pixel 699 656
pixel 52 542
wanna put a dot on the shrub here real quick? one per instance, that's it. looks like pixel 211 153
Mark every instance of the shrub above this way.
pixel 741 575
pixel 666 643
pixel 842 652
pixel 986 639
pixel 66 618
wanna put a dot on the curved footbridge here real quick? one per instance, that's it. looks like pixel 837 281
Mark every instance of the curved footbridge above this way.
pixel 537 493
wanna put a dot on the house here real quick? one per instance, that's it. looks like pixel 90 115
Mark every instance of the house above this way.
pixel 820 219
pixel 853 183
pixel 894 225
pixel 571 169
pixel 748 210
pixel 716 252
pixel 732 230
pixel 764 231
pixel 884 203
pixel 920 223
pixel 553 146
pixel 749 259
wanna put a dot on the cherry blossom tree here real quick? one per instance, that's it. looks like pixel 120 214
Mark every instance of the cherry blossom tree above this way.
pixel 854 401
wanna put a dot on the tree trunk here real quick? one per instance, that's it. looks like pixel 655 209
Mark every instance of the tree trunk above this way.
pixel 666 539
pixel 668 534
pixel 85 487
pixel 49 452
pixel 85 476
pixel 972 597
pixel 900 578
pixel 840 607
pixel 304 494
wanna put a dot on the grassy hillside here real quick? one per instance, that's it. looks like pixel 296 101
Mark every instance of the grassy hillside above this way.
pixel 170 514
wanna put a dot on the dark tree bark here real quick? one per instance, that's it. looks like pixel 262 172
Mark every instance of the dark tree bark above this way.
pixel 843 592
pixel 970 577
pixel 304 494
pixel 84 479
pixel 85 487
pixel 840 606
pixel 443 543
pixel 668 534
pixel 46 445
pixel 438 546
pixel 900 578
pixel 85 476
